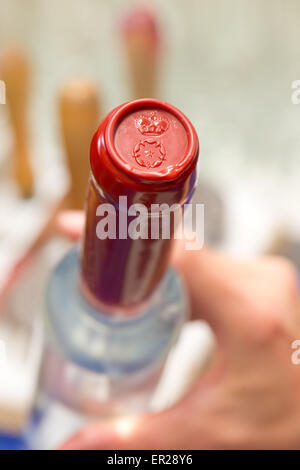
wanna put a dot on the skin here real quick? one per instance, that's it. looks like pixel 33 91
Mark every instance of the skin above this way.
pixel 249 396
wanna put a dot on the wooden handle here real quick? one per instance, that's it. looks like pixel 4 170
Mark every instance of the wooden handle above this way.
pixel 79 117
pixel 15 71
pixel 141 40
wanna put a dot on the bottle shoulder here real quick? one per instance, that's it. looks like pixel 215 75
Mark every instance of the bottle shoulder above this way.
pixel 98 340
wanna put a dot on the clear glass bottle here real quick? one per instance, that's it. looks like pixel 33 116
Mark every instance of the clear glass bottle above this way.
pixel 114 308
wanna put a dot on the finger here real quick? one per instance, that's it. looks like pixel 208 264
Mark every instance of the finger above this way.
pixel 70 223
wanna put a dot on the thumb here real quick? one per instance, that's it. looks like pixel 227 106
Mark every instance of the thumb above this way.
pixel 163 430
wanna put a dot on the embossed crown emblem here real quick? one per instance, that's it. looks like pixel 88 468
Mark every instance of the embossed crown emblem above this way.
pixel 152 124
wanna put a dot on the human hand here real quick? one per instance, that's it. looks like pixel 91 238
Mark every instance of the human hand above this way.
pixel 248 398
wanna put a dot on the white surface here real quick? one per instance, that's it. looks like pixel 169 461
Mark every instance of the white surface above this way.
pixel 23 220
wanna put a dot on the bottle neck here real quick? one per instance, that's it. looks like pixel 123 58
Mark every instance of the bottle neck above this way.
pixel 125 251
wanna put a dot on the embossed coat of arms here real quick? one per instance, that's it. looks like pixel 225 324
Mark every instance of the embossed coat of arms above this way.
pixel 150 152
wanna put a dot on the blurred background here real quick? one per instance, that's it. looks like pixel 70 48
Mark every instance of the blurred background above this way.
pixel 229 66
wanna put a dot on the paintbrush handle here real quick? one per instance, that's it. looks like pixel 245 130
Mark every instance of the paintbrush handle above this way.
pixel 141 44
pixel 79 118
pixel 15 71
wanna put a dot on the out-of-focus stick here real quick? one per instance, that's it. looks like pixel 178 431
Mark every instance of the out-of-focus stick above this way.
pixel 79 118
pixel 141 44
pixel 15 71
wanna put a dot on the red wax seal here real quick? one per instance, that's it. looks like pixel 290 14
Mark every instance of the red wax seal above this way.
pixel 145 150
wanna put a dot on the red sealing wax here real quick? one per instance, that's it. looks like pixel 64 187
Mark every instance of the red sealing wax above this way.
pixel 144 152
